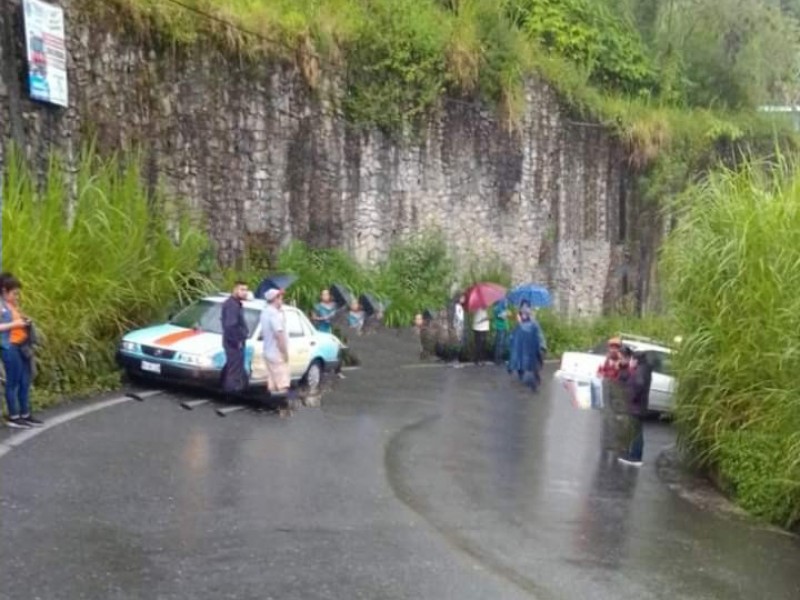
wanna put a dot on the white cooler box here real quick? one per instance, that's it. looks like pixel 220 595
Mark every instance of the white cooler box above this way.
pixel 586 393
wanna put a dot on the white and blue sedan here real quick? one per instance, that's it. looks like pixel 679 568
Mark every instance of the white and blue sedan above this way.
pixel 188 348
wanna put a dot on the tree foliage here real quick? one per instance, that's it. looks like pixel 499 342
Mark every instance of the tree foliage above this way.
pixel 591 34
pixel 731 53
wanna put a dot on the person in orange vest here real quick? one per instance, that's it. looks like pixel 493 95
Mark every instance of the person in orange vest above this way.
pixel 15 334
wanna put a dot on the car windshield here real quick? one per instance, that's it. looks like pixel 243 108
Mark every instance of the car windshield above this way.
pixel 206 315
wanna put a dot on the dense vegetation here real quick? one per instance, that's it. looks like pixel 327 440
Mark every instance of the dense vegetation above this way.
pixel 734 288
pixel 96 255
pixel 398 58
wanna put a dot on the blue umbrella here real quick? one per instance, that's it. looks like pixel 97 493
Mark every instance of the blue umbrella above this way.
pixel 279 281
pixel 536 295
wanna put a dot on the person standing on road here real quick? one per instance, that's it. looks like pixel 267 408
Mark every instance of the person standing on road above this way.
pixel 459 320
pixel 525 349
pixel 323 313
pixel 636 375
pixel 234 338
pixel 15 330
pixel 500 320
pixel 480 327
pixel 276 343
pixel 613 363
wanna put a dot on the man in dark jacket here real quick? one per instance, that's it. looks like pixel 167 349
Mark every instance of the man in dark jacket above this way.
pixel 637 377
pixel 234 336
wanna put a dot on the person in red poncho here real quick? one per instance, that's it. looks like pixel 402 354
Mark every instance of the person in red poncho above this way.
pixel 611 367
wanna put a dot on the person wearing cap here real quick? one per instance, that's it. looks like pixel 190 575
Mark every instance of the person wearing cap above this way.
pixel 611 366
pixel 276 343
pixel 234 338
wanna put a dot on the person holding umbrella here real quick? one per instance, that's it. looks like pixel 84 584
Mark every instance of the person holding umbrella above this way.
pixel 500 318
pixel 525 349
pixel 480 330
pixel 324 311
pixel 477 299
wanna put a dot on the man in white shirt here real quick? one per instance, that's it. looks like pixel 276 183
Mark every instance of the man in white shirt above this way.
pixel 480 327
pixel 276 343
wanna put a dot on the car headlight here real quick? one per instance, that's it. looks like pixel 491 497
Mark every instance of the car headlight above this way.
pixel 127 346
pixel 197 360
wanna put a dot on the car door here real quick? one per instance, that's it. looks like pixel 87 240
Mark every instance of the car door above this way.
pixel 299 343
pixel 663 383
pixel 258 367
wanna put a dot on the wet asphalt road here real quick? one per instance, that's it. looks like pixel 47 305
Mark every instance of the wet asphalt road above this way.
pixel 411 481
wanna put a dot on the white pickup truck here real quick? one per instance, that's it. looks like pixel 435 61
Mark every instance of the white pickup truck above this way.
pixel 581 367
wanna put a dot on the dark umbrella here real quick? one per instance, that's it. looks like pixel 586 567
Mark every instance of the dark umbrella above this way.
pixel 279 281
pixel 483 295
pixel 341 294
pixel 535 295
pixel 371 304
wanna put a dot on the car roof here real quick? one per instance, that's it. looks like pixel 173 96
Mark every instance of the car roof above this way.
pixel 253 303
pixel 637 345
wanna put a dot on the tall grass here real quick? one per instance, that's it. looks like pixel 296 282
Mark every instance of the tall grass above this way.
pixel 734 283
pixel 96 255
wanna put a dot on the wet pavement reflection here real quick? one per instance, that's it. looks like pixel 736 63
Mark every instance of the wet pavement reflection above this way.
pixel 410 481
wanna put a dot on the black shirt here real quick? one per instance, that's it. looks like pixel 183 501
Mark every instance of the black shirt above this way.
pixel 234 328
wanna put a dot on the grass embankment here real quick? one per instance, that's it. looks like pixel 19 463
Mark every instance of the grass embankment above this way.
pixel 94 260
pixel 734 281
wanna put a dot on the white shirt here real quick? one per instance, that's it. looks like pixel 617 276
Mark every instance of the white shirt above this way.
pixel 458 317
pixel 272 323
pixel 480 322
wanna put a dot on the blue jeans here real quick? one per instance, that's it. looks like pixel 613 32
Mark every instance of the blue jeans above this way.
pixel 636 448
pixel 18 382
pixel 500 345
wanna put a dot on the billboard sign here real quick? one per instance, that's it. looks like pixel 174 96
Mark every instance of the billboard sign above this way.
pixel 47 52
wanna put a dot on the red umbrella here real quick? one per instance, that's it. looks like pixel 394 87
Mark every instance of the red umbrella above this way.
pixel 483 295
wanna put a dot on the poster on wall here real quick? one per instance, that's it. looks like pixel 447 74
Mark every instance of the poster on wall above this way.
pixel 47 52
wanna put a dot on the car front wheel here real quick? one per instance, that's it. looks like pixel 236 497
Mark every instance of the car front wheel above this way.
pixel 313 377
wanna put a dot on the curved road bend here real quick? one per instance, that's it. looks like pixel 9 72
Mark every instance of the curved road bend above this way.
pixel 412 481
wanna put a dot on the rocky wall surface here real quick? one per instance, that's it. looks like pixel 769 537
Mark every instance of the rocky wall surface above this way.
pixel 268 160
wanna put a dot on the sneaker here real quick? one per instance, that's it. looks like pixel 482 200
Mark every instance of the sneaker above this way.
pixel 17 423
pixel 33 422
pixel 627 461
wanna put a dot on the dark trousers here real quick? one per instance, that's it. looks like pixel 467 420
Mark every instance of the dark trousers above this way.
pixel 636 446
pixel 18 382
pixel 500 345
pixel 480 346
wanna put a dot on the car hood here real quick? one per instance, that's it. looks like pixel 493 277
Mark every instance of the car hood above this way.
pixel 167 336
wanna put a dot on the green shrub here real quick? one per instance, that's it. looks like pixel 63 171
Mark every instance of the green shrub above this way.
pixel 96 255
pixel 418 274
pixel 734 286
